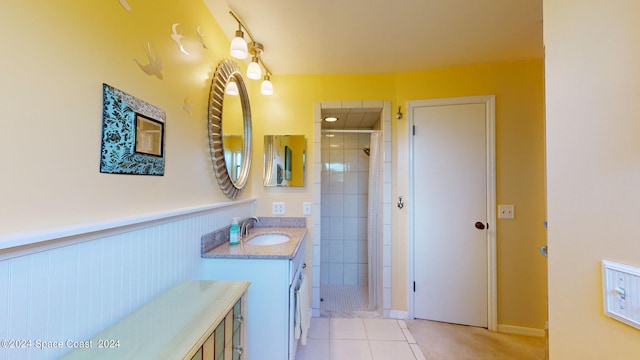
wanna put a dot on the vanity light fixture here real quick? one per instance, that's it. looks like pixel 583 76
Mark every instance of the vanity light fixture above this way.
pixel 254 71
pixel 240 50
pixel 267 87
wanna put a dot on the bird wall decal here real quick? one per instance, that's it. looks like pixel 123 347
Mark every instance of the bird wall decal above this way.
pixel 125 5
pixel 200 37
pixel 155 63
pixel 187 106
pixel 177 37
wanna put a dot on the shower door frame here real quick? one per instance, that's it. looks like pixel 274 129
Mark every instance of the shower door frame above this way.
pixel 377 261
pixel 383 298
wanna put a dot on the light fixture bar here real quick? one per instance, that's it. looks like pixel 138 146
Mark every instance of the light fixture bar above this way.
pixel 266 69
pixel 242 24
pixel 246 29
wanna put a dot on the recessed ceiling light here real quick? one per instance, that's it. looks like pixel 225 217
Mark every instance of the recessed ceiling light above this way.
pixel 331 119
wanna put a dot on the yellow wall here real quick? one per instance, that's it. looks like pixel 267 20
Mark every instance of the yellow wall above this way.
pixel 55 57
pixel 518 87
pixel 593 165
pixel 52 69
pixel 290 112
pixel 520 162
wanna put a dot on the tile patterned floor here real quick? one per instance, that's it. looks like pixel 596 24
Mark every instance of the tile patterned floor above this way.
pixel 345 301
pixel 344 298
pixel 358 339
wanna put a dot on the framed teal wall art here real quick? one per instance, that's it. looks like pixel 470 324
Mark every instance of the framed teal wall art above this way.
pixel 133 134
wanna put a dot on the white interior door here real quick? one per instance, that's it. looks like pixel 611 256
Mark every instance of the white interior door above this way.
pixel 450 213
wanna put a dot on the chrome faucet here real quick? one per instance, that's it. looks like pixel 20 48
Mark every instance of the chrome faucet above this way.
pixel 244 228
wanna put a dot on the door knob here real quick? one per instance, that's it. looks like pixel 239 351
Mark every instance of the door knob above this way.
pixel 480 225
pixel 544 250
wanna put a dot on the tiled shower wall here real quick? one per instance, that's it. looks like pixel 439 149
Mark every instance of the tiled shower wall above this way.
pixel 386 206
pixel 72 292
pixel 344 176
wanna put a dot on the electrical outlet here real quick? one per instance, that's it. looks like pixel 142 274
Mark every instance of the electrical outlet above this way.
pixel 306 208
pixel 506 212
pixel 277 208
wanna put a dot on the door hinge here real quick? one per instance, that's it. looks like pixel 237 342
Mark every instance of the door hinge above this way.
pixel 414 286
pixel 414 129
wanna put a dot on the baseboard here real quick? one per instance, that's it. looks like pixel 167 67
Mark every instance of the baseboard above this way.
pixel 397 314
pixel 519 330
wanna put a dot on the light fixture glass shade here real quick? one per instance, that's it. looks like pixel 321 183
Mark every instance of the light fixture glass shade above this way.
pixel 231 88
pixel 239 48
pixel 254 71
pixel 267 87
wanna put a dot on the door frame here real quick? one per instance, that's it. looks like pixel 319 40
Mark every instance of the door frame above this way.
pixel 490 116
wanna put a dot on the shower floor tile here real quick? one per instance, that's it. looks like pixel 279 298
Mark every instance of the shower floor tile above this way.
pixel 343 298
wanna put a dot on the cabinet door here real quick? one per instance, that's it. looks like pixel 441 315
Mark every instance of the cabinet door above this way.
pixel 228 336
pixel 208 348
pixel 219 342
pixel 237 331
pixel 198 355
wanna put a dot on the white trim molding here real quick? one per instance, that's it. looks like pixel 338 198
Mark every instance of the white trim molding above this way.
pixel 24 243
pixel 520 330
pixel 398 314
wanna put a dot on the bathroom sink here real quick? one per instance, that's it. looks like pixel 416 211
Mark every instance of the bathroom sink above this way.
pixel 268 239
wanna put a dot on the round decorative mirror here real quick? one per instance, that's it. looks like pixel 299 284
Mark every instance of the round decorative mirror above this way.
pixel 230 145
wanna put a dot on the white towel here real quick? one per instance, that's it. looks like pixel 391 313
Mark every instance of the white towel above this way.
pixel 302 318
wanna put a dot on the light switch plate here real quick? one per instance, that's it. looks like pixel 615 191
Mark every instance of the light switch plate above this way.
pixel 506 212
pixel 621 292
pixel 306 208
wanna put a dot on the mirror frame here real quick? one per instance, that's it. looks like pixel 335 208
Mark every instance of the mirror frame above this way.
pixel 224 73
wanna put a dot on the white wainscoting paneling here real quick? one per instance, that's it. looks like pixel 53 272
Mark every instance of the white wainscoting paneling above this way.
pixel 74 291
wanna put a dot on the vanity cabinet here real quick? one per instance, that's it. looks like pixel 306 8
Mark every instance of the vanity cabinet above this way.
pixel 270 300
pixel 225 343
pixel 194 320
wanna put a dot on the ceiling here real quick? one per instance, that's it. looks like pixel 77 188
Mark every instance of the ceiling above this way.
pixel 352 118
pixel 384 36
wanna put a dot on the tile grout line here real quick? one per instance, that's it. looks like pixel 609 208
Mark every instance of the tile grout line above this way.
pixel 417 353
pixel 415 348
pixel 366 334
pixel 408 337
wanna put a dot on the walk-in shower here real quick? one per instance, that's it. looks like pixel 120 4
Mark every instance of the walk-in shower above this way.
pixel 350 281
